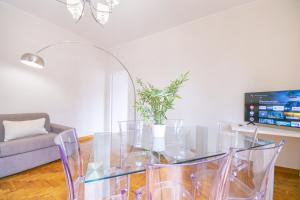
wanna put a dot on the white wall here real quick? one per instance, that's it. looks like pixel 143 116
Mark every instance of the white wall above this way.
pixel 70 88
pixel 254 47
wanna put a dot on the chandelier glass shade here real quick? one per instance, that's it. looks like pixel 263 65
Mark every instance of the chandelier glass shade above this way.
pixel 100 9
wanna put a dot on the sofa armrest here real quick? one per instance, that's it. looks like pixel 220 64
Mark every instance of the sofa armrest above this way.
pixel 57 128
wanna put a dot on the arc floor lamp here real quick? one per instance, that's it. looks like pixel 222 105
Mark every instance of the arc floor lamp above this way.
pixel 36 61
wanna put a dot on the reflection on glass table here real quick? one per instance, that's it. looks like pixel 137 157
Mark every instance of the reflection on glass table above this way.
pixel 114 154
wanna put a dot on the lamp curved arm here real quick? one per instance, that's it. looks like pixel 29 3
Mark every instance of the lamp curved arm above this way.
pixel 101 49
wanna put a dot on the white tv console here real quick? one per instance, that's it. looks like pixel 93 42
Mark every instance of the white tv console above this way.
pixel 267 130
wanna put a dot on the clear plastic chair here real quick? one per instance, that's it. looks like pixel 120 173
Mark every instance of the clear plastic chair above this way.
pixel 225 131
pixel 139 129
pixel 174 125
pixel 69 149
pixel 135 150
pixel 250 134
pixel 138 145
pixel 135 129
pixel 178 141
pixel 226 128
pixel 189 181
pixel 174 128
pixel 251 183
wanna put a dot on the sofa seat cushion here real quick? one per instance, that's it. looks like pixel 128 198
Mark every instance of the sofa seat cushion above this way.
pixel 26 144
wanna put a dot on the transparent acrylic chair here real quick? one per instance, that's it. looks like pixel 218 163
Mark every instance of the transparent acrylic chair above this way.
pixel 138 145
pixel 174 125
pixel 69 149
pixel 135 146
pixel 139 129
pixel 226 128
pixel 174 128
pixel 251 183
pixel 178 145
pixel 186 181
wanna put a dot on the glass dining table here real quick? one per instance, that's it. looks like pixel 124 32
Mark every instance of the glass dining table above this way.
pixel 119 154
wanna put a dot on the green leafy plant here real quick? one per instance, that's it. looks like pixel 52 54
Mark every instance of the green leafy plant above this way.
pixel 153 103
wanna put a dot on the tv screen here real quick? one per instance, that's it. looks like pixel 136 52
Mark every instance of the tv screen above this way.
pixel 281 108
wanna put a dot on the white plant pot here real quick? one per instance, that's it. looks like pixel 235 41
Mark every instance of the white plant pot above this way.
pixel 158 130
pixel 159 144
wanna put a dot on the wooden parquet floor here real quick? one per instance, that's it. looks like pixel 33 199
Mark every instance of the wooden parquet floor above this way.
pixel 47 182
pixel 42 183
pixel 287 186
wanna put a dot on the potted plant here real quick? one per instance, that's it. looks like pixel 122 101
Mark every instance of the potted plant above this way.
pixel 153 103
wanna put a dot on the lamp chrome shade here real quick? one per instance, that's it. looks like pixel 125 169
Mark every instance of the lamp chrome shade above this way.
pixel 33 60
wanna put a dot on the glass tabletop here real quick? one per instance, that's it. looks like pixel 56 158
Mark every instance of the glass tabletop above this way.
pixel 118 154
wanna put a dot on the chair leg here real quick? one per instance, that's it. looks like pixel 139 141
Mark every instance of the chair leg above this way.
pixel 124 194
pixel 138 195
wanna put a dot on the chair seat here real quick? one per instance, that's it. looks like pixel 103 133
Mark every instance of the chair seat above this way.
pixel 26 144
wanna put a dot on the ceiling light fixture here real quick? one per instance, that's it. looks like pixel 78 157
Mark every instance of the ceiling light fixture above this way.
pixel 100 9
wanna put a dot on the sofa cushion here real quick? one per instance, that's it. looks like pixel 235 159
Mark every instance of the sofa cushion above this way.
pixel 22 117
pixel 26 144
pixel 19 129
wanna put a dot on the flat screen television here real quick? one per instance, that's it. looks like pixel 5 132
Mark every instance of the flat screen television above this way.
pixel 281 108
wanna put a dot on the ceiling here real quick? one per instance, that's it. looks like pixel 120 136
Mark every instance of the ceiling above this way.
pixel 130 20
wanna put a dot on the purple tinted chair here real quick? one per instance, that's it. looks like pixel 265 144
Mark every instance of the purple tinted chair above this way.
pixel 199 180
pixel 252 182
pixel 69 149
pixel 70 155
